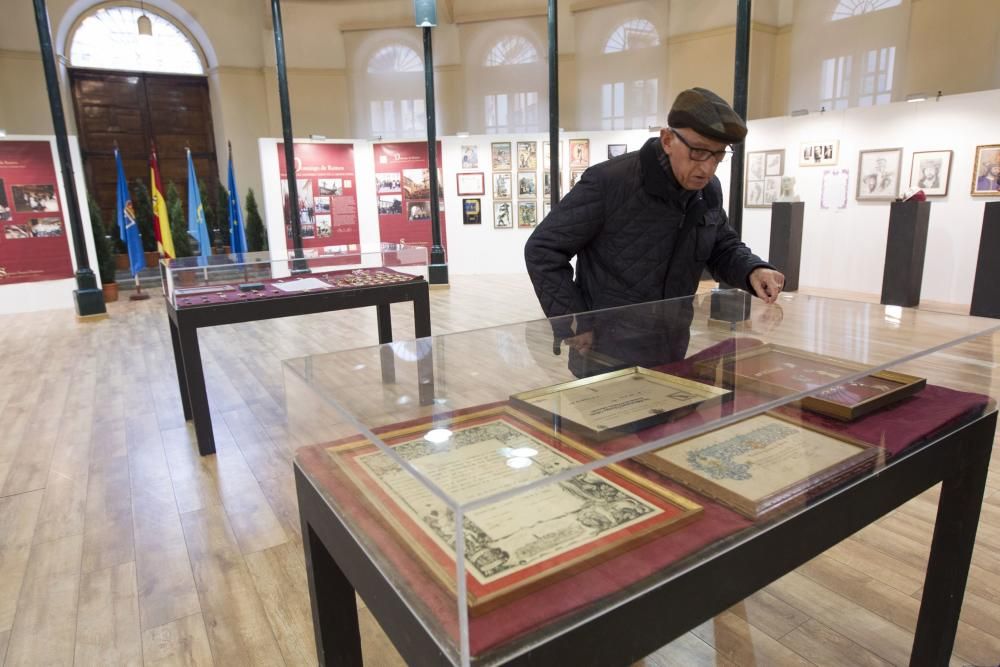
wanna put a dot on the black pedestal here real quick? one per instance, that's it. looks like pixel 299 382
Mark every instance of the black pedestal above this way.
pixel 986 288
pixel 786 240
pixel 904 253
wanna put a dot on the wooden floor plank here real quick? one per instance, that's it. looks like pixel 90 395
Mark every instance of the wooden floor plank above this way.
pixel 18 517
pixel 828 648
pixel 47 606
pixel 279 576
pixel 108 535
pixel 685 651
pixel 180 643
pixel 736 640
pixel 107 625
pixel 769 614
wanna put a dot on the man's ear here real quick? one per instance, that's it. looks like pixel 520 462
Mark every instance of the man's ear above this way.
pixel 666 140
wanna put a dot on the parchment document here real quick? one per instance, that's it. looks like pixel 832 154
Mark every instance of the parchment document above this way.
pixel 622 400
pixel 505 537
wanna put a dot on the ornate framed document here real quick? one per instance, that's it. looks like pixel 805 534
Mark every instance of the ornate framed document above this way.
pixel 762 464
pixel 782 370
pixel 610 404
pixel 522 543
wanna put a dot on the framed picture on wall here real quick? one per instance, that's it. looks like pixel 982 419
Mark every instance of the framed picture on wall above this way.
pixel 527 184
pixel 986 171
pixel 614 150
pixel 501 155
pixel 574 177
pixel 527 214
pixel 501 186
pixel 579 153
pixel 833 194
pixel 818 153
pixel 470 156
pixel 763 177
pixel 471 212
pixel 471 184
pixel 930 171
pixel 527 155
pixel 878 174
pixel 503 215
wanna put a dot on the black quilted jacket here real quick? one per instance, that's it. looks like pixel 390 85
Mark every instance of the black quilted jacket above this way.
pixel 634 240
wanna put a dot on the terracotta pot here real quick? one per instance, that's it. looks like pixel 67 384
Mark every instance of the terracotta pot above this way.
pixel 152 260
pixel 110 291
pixel 121 262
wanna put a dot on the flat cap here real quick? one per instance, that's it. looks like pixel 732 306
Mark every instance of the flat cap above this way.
pixel 707 114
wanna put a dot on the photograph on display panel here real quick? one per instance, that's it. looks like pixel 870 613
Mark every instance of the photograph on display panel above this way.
pixel 34 198
pixel 878 174
pixel 306 206
pixel 4 206
pixel 322 203
pixel 819 154
pixel 501 155
pixel 502 186
pixel 930 171
pixel 417 183
pixel 542 534
pixel 470 156
pixel 334 187
pixel 418 211
pixel 503 215
pixel 527 184
pixel 387 182
pixel 579 152
pixel 324 226
pixel 390 204
pixel 986 171
pixel 527 156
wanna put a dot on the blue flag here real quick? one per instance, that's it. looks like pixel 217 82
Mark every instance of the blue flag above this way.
pixel 197 227
pixel 128 230
pixel 237 232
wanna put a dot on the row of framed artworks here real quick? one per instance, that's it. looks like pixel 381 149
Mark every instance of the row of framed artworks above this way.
pixel 504 213
pixel 879 172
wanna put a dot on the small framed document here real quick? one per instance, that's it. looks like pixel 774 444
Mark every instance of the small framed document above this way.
pixel 778 370
pixel 610 404
pixel 761 465
pixel 526 541
pixel 471 184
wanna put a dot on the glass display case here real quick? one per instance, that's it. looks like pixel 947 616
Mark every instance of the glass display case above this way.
pixel 593 486
pixel 198 281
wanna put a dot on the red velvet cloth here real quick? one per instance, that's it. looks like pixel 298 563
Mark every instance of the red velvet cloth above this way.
pixel 896 427
pixel 335 280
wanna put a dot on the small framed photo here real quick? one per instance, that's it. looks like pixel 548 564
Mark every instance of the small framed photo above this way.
pixel 418 211
pixel 819 154
pixel 472 212
pixel 470 156
pixel 930 171
pixel 878 174
pixel 614 150
pixel 527 214
pixel 574 177
pixel 546 209
pixel 527 155
pixel 986 171
pixel 547 154
pixel 527 184
pixel 501 185
pixel 501 155
pixel 471 184
pixel 503 215
pixel 579 153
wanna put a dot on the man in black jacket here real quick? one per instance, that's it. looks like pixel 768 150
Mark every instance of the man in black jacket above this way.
pixel 642 226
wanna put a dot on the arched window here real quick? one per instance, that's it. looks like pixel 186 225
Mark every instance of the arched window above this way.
pixel 109 39
pixel 847 8
pixel 395 58
pixel 634 34
pixel 511 51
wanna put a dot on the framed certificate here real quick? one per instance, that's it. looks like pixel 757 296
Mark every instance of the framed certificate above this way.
pixel 532 538
pixel 781 370
pixel 471 184
pixel 610 404
pixel 763 464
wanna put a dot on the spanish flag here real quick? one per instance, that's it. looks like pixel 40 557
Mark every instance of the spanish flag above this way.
pixel 161 222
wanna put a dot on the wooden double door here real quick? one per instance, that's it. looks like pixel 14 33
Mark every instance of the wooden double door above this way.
pixel 134 109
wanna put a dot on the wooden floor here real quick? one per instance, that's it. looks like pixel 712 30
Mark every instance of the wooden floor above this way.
pixel 119 545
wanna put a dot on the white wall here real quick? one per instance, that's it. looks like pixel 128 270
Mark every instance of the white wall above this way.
pixel 845 249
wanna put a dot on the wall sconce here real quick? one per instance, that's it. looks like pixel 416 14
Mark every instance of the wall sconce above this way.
pixel 144 25
pixel 916 97
pixel 799 112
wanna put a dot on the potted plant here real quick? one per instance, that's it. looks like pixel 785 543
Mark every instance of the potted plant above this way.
pixel 143 205
pixel 105 259
pixel 256 234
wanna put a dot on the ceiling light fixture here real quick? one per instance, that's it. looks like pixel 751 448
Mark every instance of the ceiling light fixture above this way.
pixel 916 97
pixel 144 24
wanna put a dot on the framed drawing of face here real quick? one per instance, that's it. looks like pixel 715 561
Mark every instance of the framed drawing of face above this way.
pixel 878 174
pixel 930 171
pixel 986 171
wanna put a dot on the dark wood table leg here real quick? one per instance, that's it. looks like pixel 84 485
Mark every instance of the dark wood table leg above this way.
pixel 422 313
pixel 951 554
pixel 198 395
pixel 425 359
pixel 179 363
pixel 334 607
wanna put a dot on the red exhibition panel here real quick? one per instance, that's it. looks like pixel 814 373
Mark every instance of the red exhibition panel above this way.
pixel 402 186
pixel 33 241
pixel 328 194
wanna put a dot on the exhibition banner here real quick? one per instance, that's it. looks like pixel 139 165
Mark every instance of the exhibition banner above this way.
pixel 328 197
pixel 33 241
pixel 403 186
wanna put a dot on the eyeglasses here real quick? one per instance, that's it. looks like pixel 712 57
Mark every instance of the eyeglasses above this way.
pixel 703 154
